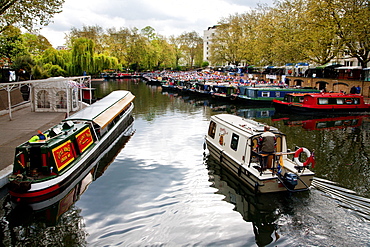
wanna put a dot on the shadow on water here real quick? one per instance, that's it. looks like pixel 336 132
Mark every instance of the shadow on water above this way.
pixel 56 219
pixel 261 210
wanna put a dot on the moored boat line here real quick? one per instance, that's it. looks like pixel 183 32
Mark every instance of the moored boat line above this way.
pixel 223 87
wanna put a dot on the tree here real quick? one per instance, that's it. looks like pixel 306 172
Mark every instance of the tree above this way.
pixel 175 43
pixel 83 56
pixel 117 43
pixel 28 14
pixel 11 44
pixel 228 45
pixel 35 43
pixel 94 33
pixel 191 45
pixel 352 18
pixel 320 43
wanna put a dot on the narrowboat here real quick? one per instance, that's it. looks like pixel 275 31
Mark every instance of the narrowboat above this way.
pixel 321 103
pixel 224 91
pixel 267 94
pixel 235 142
pixel 51 160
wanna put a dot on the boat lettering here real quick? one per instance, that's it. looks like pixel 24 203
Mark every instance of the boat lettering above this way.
pixel 84 139
pixel 63 155
pixel 223 131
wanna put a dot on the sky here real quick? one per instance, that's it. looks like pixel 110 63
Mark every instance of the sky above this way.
pixel 167 17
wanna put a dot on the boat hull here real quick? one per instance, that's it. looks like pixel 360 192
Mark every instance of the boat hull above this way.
pixel 292 108
pixel 43 190
pixel 249 176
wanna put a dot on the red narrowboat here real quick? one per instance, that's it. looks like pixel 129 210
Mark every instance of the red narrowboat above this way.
pixel 321 103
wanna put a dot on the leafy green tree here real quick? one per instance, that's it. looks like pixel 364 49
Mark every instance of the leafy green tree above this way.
pixel 28 14
pixel 320 42
pixel 149 32
pixel 175 43
pixel 191 45
pixel 11 43
pixel 35 43
pixel 55 57
pixel 24 65
pixel 117 43
pixel 94 33
pixel 102 62
pixel 38 72
pixel 53 70
pixel 83 56
pixel 228 45
pixel 352 18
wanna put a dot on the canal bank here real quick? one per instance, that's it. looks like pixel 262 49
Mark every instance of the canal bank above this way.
pixel 22 127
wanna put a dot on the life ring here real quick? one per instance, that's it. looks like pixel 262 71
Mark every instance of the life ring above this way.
pixel 298 152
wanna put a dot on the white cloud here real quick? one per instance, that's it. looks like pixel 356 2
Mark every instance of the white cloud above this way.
pixel 167 17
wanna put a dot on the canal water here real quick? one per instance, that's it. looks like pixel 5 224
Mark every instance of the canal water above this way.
pixel 156 186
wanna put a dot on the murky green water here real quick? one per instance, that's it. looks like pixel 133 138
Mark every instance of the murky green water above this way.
pixel 156 188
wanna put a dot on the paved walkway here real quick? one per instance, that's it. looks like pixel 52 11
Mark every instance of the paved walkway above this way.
pixel 21 128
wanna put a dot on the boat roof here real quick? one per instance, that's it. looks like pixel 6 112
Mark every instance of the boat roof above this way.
pixel 303 90
pixel 105 110
pixel 326 95
pixel 245 124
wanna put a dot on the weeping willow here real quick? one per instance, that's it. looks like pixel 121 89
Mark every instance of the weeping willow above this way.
pixel 83 56
pixel 102 62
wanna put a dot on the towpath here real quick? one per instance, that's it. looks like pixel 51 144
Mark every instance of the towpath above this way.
pixel 22 127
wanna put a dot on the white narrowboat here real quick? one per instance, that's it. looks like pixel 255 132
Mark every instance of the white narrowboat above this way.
pixel 235 142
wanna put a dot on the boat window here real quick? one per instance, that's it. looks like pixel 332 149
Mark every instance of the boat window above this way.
pixel 340 101
pixel 234 141
pixel 356 101
pixel 212 129
pixel 277 94
pixel 265 94
pixel 323 101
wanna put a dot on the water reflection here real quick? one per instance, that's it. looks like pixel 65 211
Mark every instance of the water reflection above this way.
pixel 261 210
pixel 56 219
pixel 315 123
pixel 341 143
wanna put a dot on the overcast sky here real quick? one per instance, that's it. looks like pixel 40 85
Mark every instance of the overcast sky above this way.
pixel 167 17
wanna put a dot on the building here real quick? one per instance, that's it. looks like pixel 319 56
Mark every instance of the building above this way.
pixel 207 40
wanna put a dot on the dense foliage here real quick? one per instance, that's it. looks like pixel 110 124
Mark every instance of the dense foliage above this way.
pixel 292 31
pixel 28 14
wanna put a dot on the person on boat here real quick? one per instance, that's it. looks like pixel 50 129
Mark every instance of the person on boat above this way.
pixel 266 145
pixel 353 90
pixel 38 137
pixel 358 89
